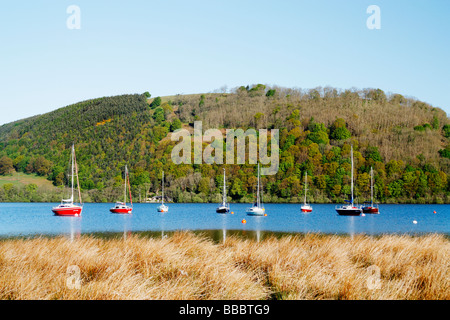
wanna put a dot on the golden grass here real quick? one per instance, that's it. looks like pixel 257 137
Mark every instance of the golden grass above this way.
pixel 187 266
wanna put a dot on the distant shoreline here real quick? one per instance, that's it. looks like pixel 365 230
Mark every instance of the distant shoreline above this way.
pixel 312 203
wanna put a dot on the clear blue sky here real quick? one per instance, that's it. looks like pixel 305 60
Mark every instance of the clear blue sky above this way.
pixel 170 47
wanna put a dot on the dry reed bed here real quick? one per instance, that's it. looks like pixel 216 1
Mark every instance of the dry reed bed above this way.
pixel 187 266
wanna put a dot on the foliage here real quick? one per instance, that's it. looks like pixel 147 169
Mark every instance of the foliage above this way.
pixel 446 130
pixel 155 103
pixel 339 130
pixel 270 93
pixel 409 164
pixel 6 165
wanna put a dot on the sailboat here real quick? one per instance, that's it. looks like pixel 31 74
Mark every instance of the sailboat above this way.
pixel 224 207
pixel 67 206
pixel 163 207
pixel 257 209
pixel 371 208
pixel 121 207
pixel 349 209
pixel 306 207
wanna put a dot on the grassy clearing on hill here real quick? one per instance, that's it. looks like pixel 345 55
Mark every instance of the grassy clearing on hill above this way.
pixel 22 179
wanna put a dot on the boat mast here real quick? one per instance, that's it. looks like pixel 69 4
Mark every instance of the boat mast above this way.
pixel 125 184
pixel 306 184
pixel 129 188
pixel 162 186
pixel 257 193
pixel 371 186
pixel 73 159
pixel 224 196
pixel 78 180
pixel 352 173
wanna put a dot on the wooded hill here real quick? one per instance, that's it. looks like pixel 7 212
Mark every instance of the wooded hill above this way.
pixel 403 139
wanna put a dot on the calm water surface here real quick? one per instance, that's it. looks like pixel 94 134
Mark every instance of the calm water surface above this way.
pixel 32 219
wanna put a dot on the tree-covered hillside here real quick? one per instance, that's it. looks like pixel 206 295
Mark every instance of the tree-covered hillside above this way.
pixel 404 140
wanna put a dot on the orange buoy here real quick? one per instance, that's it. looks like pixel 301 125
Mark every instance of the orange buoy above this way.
pixel 232 212
pixel 244 221
pixel 434 211
pixel 265 214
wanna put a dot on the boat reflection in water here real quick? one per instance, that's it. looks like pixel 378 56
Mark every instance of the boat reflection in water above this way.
pixel 162 215
pixel 74 227
pixel 126 225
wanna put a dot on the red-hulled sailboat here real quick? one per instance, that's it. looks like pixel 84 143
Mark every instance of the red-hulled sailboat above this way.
pixel 121 207
pixel 67 206
pixel 371 208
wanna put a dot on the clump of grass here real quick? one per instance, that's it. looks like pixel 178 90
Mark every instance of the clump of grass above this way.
pixel 186 266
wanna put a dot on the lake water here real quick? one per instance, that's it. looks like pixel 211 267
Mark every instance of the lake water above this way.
pixel 33 219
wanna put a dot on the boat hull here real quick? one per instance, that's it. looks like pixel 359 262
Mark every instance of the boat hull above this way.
pixel 306 209
pixel 68 211
pixel 223 210
pixel 255 212
pixel 163 209
pixel 121 210
pixel 348 212
pixel 370 210
pixel 251 213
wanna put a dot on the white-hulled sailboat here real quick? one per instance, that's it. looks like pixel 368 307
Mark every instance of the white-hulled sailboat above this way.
pixel 257 209
pixel 224 207
pixel 162 207
pixel 306 207
pixel 349 209
pixel 67 206
pixel 121 207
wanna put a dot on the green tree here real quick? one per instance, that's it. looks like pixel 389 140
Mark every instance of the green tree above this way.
pixel 270 93
pixel 175 125
pixel 435 123
pixel 155 103
pixel 363 182
pixel 202 101
pixel 258 116
pixel 158 115
pixel 293 120
pixel 59 179
pixel 257 90
pixel 339 130
pixel 373 153
pixel 396 188
pixel 6 165
pixel 237 190
pixel 446 130
pixel 42 166
pixel 318 134
pixel 203 185
pixel 445 153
